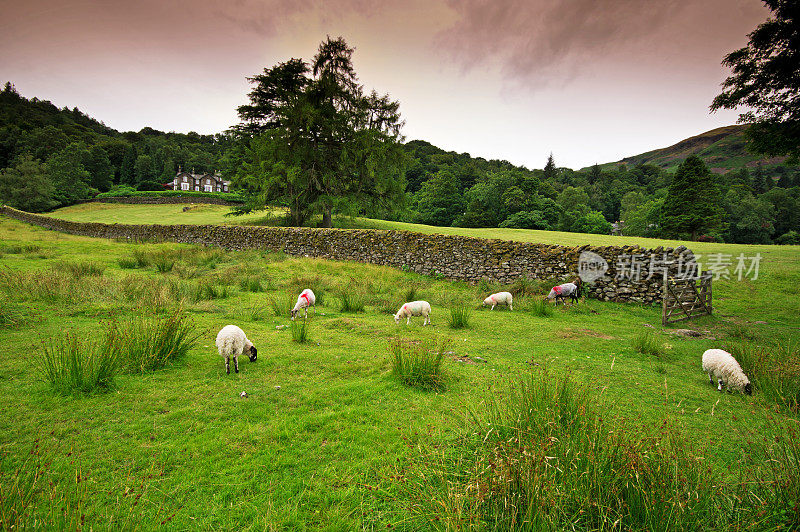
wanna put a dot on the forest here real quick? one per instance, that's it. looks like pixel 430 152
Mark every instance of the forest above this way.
pixel 52 157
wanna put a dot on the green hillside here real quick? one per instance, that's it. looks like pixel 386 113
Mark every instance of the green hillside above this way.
pixel 722 149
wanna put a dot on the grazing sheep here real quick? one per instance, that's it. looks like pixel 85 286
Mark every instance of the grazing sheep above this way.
pixel 723 366
pixel 304 300
pixel 232 342
pixel 566 290
pixel 500 298
pixel 414 308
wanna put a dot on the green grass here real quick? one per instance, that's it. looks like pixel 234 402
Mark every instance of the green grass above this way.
pixel 419 364
pixel 74 365
pixel 351 302
pixel 300 330
pixel 331 438
pixel 459 316
pixel 648 344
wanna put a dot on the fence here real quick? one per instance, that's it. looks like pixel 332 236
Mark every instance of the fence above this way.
pixel 686 298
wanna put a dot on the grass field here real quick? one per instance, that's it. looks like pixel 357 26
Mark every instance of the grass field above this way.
pixel 329 437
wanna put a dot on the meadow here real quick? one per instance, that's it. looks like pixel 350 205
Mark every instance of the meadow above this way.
pixel 584 417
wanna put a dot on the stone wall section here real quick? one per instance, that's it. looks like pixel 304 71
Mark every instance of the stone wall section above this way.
pixel 167 200
pixel 454 257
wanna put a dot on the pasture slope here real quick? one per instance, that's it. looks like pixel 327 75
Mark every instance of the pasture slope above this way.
pixel 328 438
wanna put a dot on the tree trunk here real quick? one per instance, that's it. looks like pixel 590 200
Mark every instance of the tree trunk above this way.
pixel 326 217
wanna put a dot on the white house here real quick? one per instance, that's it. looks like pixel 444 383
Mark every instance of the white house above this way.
pixel 200 182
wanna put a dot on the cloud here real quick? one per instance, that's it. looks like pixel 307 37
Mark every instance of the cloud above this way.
pixel 543 39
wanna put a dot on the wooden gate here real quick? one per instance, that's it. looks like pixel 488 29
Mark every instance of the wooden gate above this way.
pixel 686 298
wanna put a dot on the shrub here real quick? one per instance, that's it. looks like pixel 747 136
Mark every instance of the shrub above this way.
pixel 541 308
pixel 300 331
pixel 150 344
pixel 459 316
pixel 419 365
pixel 72 365
pixel 648 343
pixel 351 302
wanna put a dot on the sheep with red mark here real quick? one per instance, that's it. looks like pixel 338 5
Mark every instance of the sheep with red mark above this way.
pixel 500 298
pixel 414 308
pixel 566 290
pixel 304 300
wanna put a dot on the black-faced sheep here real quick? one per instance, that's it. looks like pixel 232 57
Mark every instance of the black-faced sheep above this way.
pixel 721 364
pixel 232 342
pixel 566 290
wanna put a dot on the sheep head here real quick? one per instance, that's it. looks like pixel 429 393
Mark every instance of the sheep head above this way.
pixel 748 389
pixel 253 353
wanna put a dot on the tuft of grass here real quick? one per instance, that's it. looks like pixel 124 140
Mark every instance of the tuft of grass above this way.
pixel 80 269
pixel 537 455
pixel 525 286
pixel 419 364
pixel 385 306
pixel 127 263
pixel 351 302
pixel 149 344
pixel 410 294
pixel 774 370
pixel 647 343
pixel 300 330
pixel 17 249
pixel 73 366
pixel 12 314
pixel 540 307
pixel 163 262
pixel 459 316
pixel 282 305
pixel 251 283
pixel 254 313
pixel 207 290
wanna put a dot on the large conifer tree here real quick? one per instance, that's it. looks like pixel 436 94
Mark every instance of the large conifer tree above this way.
pixel 693 202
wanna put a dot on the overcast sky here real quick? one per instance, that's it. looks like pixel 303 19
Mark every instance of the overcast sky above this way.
pixel 588 80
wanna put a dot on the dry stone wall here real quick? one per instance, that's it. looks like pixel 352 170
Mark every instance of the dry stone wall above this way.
pixel 454 257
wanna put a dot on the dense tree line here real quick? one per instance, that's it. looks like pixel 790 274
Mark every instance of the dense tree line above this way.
pixel 51 157
pixel 747 206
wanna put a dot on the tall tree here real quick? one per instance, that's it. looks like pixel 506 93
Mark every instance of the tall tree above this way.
pixel 550 172
pixel 319 142
pixel 692 204
pixel 99 167
pixel 27 186
pixel 127 172
pixel 69 177
pixel 759 181
pixel 766 78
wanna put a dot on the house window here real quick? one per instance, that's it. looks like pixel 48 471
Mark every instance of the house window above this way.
pixel 184 186
pixel 197 188
pixel 208 188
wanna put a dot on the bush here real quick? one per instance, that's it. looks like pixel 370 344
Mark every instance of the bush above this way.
pixel 459 316
pixel 127 192
pixel 791 238
pixel 419 365
pixel 72 365
pixel 149 186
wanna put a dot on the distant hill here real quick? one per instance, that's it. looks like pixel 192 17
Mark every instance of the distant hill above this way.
pixel 723 149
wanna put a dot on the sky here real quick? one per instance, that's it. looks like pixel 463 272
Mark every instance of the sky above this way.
pixel 590 81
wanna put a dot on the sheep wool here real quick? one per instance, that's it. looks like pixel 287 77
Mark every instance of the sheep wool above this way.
pixel 414 308
pixel 564 291
pixel 500 298
pixel 232 342
pixel 304 300
pixel 721 364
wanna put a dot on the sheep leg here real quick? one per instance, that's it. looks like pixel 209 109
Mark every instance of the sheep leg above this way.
pixel 719 386
pixel 510 306
pixel 427 320
pixel 408 319
pixel 306 315
pixel 228 365
pixel 492 307
pixel 236 364
pixel 710 379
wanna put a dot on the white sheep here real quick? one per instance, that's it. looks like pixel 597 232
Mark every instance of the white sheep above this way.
pixel 723 366
pixel 232 342
pixel 566 290
pixel 304 300
pixel 500 298
pixel 414 308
